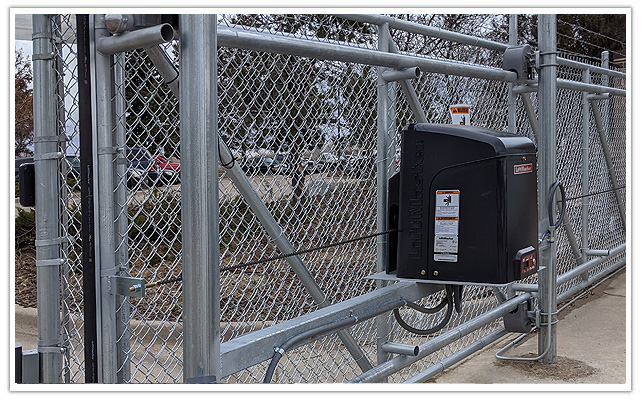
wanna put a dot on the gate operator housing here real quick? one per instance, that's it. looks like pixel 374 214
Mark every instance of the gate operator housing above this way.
pixel 464 204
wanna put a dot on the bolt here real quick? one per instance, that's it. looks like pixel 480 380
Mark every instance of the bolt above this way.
pixel 423 272
pixel 435 273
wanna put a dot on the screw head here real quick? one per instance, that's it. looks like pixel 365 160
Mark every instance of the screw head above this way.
pixel 423 272
pixel 435 273
pixel 524 158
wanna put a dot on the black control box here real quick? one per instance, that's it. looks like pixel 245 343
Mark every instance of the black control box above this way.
pixel 464 204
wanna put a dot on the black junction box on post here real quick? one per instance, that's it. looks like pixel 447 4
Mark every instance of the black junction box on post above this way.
pixel 464 204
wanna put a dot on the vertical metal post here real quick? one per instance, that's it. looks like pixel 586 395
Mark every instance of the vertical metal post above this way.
pixel 121 222
pixel 585 169
pixel 46 158
pixel 106 152
pixel 382 168
pixel 605 81
pixel 199 201
pixel 511 96
pixel 547 177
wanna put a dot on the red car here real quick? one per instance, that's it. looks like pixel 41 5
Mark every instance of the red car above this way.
pixel 163 163
pixel 169 169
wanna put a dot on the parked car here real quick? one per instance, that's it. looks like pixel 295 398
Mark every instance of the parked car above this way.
pixel 258 164
pixel 355 164
pixel 170 170
pixel 327 162
pixel 308 165
pixel 20 161
pixel 141 167
pixel 283 163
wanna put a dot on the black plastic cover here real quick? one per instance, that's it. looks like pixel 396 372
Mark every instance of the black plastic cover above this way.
pixel 466 204
pixel 27 184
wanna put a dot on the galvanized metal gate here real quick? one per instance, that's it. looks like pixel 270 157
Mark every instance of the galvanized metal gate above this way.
pixel 317 93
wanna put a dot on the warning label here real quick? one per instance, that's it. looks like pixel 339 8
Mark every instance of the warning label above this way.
pixel 447 212
pixel 446 219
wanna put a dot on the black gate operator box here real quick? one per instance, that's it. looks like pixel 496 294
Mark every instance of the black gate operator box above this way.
pixel 464 204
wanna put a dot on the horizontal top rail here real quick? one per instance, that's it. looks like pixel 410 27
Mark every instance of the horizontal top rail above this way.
pixel 267 42
pixel 413 27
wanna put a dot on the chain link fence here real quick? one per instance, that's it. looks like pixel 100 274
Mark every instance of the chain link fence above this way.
pixel 304 131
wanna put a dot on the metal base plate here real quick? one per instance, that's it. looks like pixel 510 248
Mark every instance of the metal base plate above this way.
pixel 383 276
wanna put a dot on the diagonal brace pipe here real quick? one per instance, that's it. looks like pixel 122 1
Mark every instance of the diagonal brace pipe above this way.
pixel 275 232
pixel 608 158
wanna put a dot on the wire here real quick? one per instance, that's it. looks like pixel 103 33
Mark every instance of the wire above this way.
pixel 596 193
pixel 592 32
pixel 452 300
pixel 278 257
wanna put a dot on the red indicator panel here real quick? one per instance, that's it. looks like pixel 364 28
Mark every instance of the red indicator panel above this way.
pixel 528 263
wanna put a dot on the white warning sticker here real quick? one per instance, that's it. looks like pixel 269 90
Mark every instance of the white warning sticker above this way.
pixel 446 244
pixel 446 219
pixel 447 212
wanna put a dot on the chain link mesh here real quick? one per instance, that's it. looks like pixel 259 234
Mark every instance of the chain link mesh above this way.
pixel 304 132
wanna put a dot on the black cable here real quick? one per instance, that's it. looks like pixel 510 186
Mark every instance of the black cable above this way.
pixel 449 299
pixel 295 253
pixel 230 164
pixel 551 204
pixel 281 256
pixel 594 194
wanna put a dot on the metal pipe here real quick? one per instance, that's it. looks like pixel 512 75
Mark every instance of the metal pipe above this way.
pixel 121 234
pixel 574 85
pixel 119 23
pixel 166 69
pixel 425 30
pixel 575 272
pixel 257 346
pixel 138 39
pixel 457 357
pixel 585 167
pixel 547 176
pixel 199 200
pixel 410 93
pixel 250 40
pixel 592 88
pixel 402 74
pixel 324 330
pixel 400 348
pixel 48 259
pixel 524 89
pixel 275 232
pixel 511 95
pixel 597 253
pixel 531 114
pixel 608 159
pixel 382 176
pixel 605 81
pixel 105 150
pixel 398 363
pixel 602 96
pixel 590 281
